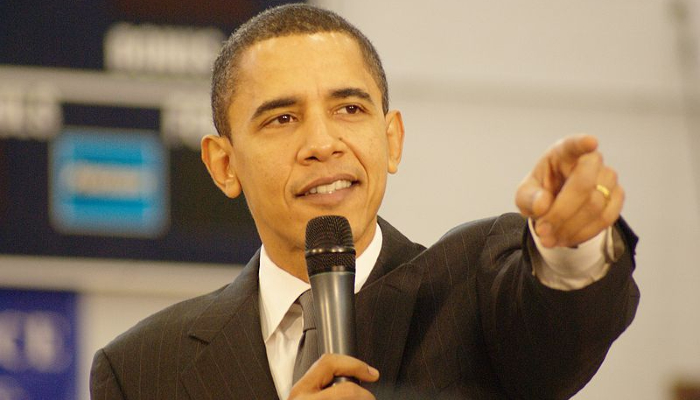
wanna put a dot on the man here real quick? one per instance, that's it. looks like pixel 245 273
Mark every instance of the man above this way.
pixel 496 309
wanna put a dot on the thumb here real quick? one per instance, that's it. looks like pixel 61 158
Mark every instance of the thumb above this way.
pixel 532 199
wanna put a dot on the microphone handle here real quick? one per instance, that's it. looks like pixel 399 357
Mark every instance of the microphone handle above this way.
pixel 334 304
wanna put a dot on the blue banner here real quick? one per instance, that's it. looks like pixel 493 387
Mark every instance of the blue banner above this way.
pixel 109 182
pixel 37 345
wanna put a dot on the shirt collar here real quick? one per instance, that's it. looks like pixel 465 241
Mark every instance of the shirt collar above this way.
pixel 279 289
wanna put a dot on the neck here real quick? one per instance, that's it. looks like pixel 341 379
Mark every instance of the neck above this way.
pixel 294 263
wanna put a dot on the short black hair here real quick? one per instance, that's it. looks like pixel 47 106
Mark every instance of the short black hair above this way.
pixel 286 20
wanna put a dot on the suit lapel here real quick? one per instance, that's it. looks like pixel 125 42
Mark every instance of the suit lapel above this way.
pixel 385 306
pixel 232 362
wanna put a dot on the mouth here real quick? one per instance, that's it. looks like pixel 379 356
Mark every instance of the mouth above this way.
pixel 327 188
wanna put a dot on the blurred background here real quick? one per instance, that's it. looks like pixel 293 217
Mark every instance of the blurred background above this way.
pixel 107 214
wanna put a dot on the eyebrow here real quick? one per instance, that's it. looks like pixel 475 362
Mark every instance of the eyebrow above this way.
pixel 273 104
pixel 290 101
pixel 351 92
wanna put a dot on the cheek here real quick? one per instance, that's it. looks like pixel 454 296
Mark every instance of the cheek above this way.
pixel 370 145
pixel 374 155
pixel 262 170
pixel 268 176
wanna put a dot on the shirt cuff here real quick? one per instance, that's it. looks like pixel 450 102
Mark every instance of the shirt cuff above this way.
pixel 567 268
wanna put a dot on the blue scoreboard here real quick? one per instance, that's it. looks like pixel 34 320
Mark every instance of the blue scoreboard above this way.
pixel 102 107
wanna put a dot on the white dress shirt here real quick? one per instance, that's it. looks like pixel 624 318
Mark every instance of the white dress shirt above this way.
pixel 281 319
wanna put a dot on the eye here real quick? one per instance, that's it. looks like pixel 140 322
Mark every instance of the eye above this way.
pixel 281 120
pixel 284 119
pixel 350 109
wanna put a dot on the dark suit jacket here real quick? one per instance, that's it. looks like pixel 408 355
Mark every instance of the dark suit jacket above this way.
pixel 464 318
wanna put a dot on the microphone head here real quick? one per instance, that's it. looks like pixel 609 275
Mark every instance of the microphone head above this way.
pixel 329 245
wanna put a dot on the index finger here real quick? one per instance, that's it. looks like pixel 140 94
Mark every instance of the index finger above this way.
pixel 570 149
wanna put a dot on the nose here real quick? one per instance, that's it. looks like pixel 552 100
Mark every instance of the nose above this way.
pixel 321 141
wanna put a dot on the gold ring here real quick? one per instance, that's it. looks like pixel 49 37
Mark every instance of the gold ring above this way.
pixel 604 191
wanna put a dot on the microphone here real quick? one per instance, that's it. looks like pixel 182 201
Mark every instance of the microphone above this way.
pixel 330 260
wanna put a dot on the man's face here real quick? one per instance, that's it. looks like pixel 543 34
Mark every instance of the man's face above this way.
pixel 309 137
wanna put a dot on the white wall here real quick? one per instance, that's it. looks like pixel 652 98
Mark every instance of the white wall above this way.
pixel 484 88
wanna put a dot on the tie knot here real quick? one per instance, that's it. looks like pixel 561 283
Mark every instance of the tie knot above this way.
pixel 306 301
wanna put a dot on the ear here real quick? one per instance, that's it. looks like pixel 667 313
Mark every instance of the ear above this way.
pixel 394 135
pixel 217 153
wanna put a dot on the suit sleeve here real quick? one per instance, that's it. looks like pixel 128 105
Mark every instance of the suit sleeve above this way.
pixel 546 343
pixel 103 381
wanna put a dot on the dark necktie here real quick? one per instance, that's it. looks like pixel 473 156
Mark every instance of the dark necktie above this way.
pixel 308 345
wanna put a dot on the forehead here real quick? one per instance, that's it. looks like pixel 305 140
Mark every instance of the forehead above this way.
pixel 299 65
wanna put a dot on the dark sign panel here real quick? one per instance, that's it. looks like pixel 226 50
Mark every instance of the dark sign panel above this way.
pixel 65 33
pixel 102 107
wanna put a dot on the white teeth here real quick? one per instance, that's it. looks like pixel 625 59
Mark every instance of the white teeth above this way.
pixel 330 188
